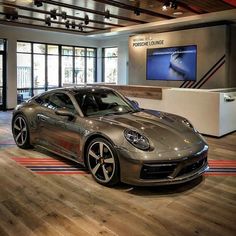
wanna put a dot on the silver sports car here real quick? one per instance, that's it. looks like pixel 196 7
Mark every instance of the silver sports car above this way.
pixel 114 138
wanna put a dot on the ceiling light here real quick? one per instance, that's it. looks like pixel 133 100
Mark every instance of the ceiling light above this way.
pixel 174 4
pixel 86 20
pixel 14 15
pixel 178 13
pixel 81 27
pixel 53 14
pixel 137 11
pixel 38 3
pixel 63 15
pixel 107 14
pixel 73 24
pixel 48 21
pixel 67 24
pixel 166 5
pixel 164 8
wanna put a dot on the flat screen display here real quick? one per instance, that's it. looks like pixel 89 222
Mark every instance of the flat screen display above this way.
pixel 173 63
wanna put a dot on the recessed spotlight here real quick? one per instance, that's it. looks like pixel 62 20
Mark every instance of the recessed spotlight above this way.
pixel 164 8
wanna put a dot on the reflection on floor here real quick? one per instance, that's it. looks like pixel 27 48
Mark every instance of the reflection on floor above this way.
pixel 74 204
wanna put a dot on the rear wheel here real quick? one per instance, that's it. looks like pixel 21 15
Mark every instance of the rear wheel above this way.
pixel 102 162
pixel 20 132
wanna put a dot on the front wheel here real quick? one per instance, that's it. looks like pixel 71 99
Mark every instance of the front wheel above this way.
pixel 20 132
pixel 102 162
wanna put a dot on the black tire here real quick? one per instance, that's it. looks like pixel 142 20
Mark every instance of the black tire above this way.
pixel 20 131
pixel 104 166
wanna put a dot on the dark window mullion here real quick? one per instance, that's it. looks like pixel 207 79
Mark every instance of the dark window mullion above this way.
pixel 32 71
pixel 103 65
pixel 85 66
pixel 46 67
pixel 73 65
pixel 60 66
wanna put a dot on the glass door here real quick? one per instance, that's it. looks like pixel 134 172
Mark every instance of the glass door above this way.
pixel 2 75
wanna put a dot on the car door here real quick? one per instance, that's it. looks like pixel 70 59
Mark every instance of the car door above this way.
pixel 59 133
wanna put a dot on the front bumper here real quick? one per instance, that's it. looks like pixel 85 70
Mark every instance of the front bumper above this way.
pixel 153 172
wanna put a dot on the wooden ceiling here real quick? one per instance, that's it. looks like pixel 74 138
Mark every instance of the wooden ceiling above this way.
pixel 88 16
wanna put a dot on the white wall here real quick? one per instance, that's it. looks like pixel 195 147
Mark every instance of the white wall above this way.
pixel 14 34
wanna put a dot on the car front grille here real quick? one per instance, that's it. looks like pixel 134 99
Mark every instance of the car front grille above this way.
pixel 170 170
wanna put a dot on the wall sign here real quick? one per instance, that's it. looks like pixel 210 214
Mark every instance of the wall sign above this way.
pixel 146 42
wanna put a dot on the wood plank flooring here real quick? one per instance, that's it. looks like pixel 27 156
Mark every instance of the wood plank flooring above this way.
pixel 33 204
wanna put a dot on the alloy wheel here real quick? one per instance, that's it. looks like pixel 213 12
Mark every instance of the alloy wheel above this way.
pixel 20 131
pixel 101 161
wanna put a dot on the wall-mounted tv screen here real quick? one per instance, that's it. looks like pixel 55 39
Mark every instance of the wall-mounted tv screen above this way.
pixel 173 63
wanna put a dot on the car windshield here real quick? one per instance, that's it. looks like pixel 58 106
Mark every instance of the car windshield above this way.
pixel 102 102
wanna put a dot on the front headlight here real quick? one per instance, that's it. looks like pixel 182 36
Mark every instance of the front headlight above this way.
pixel 136 139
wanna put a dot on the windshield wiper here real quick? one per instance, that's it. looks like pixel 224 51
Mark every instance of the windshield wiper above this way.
pixel 120 113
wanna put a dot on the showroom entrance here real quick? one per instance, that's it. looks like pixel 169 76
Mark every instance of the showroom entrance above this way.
pixel 2 74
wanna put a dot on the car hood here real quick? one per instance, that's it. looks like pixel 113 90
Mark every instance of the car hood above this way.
pixel 165 131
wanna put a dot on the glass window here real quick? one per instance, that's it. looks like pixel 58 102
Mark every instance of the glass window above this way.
pixel 91 52
pixel 79 70
pixel 53 73
pixel 39 48
pixel 67 69
pixel 24 75
pixel 67 50
pixel 60 100
pixel 110 65
pixel 78 65
pixel 53 49
pixel 100 103
pixel 90 70
pixel 23 47
pixel 39 74
pixel 80 52
pixel 1 44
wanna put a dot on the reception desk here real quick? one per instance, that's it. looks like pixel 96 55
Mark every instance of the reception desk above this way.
pixel 212 112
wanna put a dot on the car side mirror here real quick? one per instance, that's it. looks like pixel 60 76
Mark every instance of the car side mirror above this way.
pixel 64 112
pixel 135 103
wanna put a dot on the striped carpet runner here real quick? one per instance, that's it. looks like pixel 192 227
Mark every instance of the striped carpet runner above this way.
pixel 46 166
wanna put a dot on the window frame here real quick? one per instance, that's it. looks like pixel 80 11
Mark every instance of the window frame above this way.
pixel 103 62
pixel 60 55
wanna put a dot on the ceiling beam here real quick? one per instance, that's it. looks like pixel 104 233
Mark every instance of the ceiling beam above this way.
pixel 101 13
pixel 57 14
pixel 133 8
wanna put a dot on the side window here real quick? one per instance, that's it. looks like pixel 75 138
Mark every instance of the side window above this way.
pixel 60 100
pixel 43 100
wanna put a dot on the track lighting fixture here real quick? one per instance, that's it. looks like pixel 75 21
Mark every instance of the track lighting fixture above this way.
pixel 63 15
pixel 168 3
pixel 12 16
pixel 137 12
pixel 67 24
pixel 53 14
pixel 86 20
pixel 174 4
pixel 73 24
pixel 48 21
pixel 81 27
pixel 38 3
pixel 107 14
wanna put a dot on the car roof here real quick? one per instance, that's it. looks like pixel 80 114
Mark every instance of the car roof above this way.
pixel 76 89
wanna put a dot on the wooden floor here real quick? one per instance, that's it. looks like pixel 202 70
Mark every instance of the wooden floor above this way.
pixel 34 204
